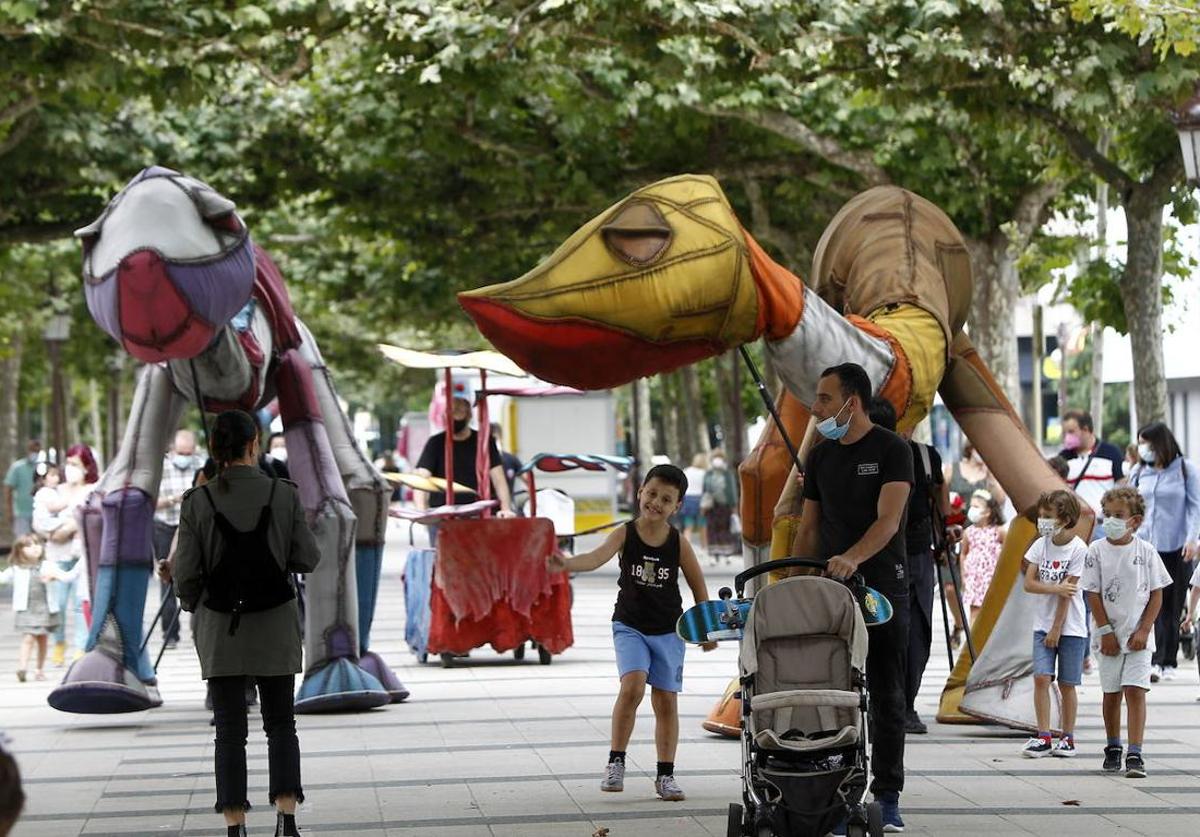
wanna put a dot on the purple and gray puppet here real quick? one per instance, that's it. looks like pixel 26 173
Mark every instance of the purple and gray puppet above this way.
pixel 171 273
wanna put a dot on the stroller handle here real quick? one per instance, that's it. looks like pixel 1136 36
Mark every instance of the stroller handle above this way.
pixel 741 578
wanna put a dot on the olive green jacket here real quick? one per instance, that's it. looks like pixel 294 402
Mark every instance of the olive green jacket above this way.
pixel 266 643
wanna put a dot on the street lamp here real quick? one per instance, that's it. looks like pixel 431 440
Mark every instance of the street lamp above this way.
pixel 1187 122
pixel 56 333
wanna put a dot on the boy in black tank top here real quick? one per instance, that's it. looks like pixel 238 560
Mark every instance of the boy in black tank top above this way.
pixel 648 605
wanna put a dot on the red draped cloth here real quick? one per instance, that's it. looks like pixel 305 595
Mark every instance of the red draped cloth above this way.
pixel 491 587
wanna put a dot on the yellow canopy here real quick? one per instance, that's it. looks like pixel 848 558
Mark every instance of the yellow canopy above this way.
pixel 420 482
pixel 488 361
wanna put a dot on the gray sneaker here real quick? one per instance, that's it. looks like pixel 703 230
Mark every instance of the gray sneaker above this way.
pixel 668 789
pixel 614 777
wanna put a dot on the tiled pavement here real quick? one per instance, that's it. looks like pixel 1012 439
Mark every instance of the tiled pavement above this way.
pixel 506 748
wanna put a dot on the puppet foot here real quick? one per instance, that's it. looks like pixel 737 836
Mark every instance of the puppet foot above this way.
pixel 99 684
pixel 373 664
pixel 340 686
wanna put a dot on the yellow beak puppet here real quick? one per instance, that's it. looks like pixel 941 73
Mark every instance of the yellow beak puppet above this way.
pixel 668 277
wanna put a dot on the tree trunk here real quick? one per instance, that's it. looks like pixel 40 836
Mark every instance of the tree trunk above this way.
pixel 644 431
pixel 1097 377
pixel 10 378
pixel 993 310
pixel 697 422
pixel 669 415
pixel 10 437
pixel 1141 293
pixel 95 433
pixel 733 418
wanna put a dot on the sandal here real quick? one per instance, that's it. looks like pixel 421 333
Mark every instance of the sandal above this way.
pixel 41 675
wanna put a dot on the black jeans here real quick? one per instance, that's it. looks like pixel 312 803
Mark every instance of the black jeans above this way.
pixel 279 723
pixel 1166 626
pixel 920 626
pixel 887 664
pixel 163 534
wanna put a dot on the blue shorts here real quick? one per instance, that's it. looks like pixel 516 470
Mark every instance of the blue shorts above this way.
pixel 690 515
pixel 1070 653
pixel 659 655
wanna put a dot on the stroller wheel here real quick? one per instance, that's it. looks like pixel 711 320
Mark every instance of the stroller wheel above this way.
pixel 734 828
pixel 874 820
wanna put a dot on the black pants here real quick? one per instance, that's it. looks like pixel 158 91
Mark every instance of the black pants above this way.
pixel 1166 626
pixel 163 534
pixel 887 663
pixel 920 621
pixel 279 723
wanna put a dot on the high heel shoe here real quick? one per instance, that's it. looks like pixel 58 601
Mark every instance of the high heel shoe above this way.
pixel 235 830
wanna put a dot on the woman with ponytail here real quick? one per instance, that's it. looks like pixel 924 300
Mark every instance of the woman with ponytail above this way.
pixel 239 539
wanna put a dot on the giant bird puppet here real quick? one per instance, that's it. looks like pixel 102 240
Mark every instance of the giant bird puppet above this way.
pixel 668 276
pixel 171 273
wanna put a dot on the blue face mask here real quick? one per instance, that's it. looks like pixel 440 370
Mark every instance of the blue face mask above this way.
pixel 830 429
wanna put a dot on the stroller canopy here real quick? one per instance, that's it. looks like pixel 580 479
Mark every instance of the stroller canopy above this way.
pixel 805 605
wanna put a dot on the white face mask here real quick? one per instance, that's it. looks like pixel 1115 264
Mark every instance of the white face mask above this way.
pixel 718 462
pixel 75 474
pixel 279 454
pixel 1048 527
pixel 1115 528
pixel 1146 453
pixel 975 514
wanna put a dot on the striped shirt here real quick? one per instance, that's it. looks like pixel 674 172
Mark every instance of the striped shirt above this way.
pixel 1103 471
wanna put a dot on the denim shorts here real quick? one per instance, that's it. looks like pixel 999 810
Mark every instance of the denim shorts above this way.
pixel 659 655
pixel 690 515
pixel 1069 655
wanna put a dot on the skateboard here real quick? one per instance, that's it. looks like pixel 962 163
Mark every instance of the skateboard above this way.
pixel 720 619
pixel 713 620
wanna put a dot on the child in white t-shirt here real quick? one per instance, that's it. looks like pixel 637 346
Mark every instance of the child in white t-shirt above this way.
pixel 1052 567
pixel 1124 577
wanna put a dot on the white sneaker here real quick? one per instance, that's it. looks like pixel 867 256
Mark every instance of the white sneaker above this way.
pixel 1169 673
pixel 1155 674
pixel 614 777
pixel 1036 748
pixel 667 788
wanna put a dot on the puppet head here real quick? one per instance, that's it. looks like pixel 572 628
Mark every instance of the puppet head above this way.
pixel 166 265
pixel 660 280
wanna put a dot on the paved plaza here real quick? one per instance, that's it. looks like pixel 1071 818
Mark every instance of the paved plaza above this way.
pixel 505 748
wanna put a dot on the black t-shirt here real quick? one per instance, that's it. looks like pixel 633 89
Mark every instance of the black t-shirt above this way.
pixel 846 480
pixel 433 459
pixel 918 534
pixel 648 599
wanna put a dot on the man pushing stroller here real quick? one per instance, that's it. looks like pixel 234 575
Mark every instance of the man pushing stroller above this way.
pixel 856 487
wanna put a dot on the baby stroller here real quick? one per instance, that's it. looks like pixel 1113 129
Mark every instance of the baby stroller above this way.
pixel 804 709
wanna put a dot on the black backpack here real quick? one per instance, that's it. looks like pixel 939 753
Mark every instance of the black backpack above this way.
pixel 245 577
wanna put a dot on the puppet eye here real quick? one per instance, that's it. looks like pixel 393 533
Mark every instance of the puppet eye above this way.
pixel 638 233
